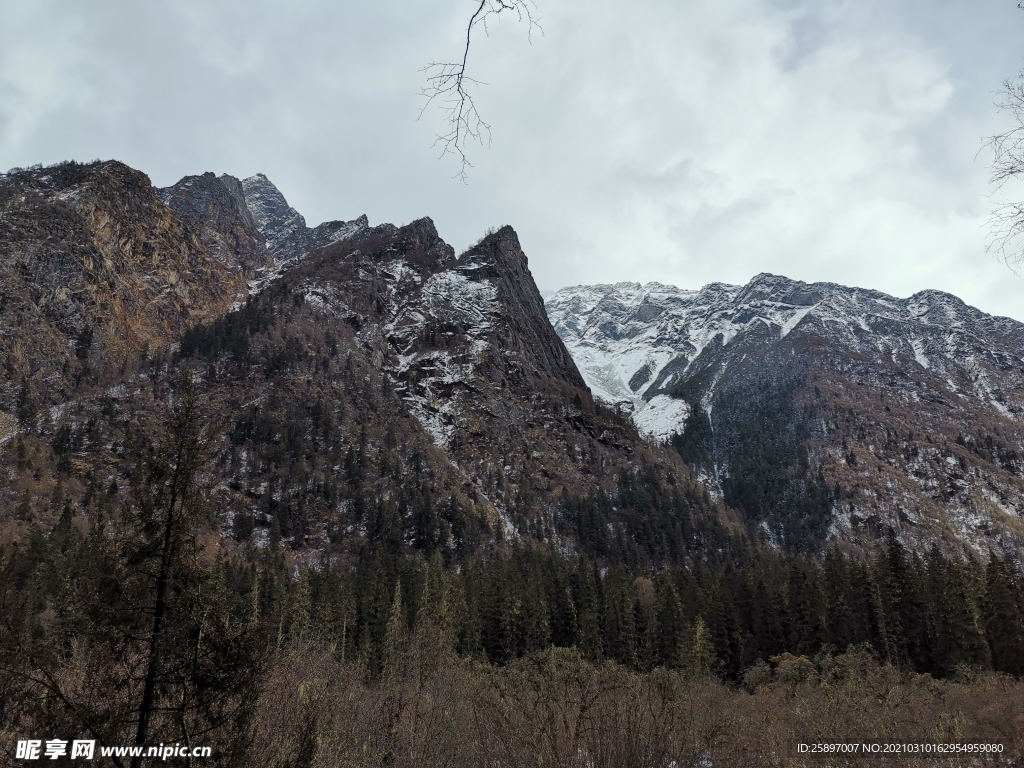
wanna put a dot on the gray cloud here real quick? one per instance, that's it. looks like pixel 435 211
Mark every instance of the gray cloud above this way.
pixel 654 140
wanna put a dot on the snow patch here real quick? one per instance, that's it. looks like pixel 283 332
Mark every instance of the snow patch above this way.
pixel 661 417
pixel 918 347
pixel 793 321
pixel 453 295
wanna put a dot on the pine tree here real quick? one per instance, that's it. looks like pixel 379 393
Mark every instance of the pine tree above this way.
pixel 902 614
pixel 1004 615
pixel 159 541
pixel 396 634
pixel 957 637
pixel 807 610
pixel 723 624
pixel 300 608
pixel 535 616
pixel 155 635
pixel 565 626
pixel 671 637
pixel 841 622
pixel 646 622
pixel 619 617
pixel 587 598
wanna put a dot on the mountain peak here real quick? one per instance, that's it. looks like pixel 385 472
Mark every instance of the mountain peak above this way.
pixel 498 251
pixel 281 224
pixel 507 234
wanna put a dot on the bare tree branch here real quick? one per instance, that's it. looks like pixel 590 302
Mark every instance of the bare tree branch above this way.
pixel 449 85
pixel 1006 236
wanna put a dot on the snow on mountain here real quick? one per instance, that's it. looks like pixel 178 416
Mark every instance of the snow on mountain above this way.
pixel 909 411
pixel 463 344
pixel 279 222
pixel 633 342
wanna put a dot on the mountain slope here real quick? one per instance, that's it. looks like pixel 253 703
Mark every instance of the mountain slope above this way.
pixel 93 268
pixel 217 209
pixel 466 346
pixel 284 229
pixel 910 409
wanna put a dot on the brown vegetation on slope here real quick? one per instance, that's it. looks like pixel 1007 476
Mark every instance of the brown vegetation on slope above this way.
pixel 430 709
pixel 94 268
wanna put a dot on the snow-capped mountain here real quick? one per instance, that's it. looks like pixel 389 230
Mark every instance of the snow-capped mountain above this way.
pixel 633 343
pixel 904 392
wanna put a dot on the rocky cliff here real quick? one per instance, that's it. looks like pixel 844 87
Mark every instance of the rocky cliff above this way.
pixel 374 380
pixel 94 268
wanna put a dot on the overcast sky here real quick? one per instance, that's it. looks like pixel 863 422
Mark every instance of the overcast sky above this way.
pixel 681 142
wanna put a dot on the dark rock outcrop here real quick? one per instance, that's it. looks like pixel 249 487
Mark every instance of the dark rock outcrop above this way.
pixel 216 209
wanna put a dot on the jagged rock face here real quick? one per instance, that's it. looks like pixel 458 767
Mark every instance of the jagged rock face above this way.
pixel 498 260
pixel 473 357
pixel 918 403
pixel 216 208
pixel 94 267
pixel 284 229
pixel 283 226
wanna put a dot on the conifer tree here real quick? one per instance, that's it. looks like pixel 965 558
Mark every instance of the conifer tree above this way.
pixel 645 619
pixel 957 638
pixel 841 627
pixel 807 610
pixel 154 635
pixel 903 617
pixel 587 598
pixel 701 659
pixel 671 638
pixel 619 617
pixel 564 616
pixel 396 634
pixel 1004 615
pixel 159 532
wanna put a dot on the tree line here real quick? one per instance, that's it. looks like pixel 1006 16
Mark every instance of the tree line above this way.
pixel 141 623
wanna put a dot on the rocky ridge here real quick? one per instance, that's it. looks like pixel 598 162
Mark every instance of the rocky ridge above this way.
pixel 283 228
pixel 818 411
pixel 918 402
pixel 466 344
pixel 376 384
pixel 97 265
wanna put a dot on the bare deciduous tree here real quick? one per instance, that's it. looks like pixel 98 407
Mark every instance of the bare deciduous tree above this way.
pixel 1006 237
pixel 449 85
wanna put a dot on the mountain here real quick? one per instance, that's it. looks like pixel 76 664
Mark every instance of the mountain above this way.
pixel 374 385
pixel 217 210
pixel 250 222
pixel 431 366
pixel 284 228
pixel 348 358
pixel 820 410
